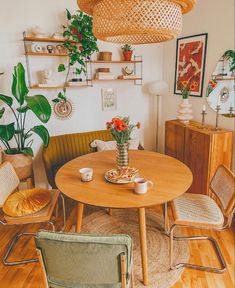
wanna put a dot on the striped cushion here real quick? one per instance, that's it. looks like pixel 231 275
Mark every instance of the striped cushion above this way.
pixel 197 210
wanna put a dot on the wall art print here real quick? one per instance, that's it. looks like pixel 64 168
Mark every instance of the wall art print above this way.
pixel 190 63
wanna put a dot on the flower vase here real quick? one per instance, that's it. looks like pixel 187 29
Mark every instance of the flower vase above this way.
pixel 122 155
pixel 185 111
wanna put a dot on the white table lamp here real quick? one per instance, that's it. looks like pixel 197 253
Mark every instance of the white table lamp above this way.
pixel 157 88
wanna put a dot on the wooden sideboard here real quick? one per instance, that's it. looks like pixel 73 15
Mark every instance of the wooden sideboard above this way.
pixel 202 150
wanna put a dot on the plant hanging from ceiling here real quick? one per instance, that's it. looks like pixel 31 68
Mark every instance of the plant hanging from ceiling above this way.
pixel 80 44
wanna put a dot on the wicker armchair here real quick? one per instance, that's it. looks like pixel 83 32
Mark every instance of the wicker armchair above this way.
pixel 202 212
pixel 9 182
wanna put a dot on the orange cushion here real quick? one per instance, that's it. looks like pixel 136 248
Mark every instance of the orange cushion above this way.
pixel 26 202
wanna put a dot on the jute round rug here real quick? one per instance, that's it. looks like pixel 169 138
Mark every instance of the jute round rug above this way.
pixel 126 222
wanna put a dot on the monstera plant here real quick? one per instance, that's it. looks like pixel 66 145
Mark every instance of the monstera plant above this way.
pixel 15 138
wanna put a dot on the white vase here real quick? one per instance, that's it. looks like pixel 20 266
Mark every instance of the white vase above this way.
pixel 185 111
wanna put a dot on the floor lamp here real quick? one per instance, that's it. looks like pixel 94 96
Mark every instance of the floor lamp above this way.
pixel 157 88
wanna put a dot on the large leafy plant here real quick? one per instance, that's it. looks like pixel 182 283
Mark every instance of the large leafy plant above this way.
pixel 80 44
pixel 231 55
pixel 14 136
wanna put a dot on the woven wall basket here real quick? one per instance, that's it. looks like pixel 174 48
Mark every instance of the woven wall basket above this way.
pixel 136 21
pixel 88 5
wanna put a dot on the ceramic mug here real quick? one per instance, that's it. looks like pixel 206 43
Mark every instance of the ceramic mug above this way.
pixel 142 185
pixel 86 174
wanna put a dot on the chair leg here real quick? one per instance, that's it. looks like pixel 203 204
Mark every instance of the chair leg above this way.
pixel 64 212
pixel 194 266
pixel 10 248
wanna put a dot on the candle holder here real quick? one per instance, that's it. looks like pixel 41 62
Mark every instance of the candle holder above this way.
pixel 203 118
pixel 231 109
pixel 217 117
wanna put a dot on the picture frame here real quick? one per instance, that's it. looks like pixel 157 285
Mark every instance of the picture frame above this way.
pixel 190 63
pixel 109 99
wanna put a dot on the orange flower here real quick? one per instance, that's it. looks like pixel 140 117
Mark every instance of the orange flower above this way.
pixel 184 83
pixel 138 125
pixel 192 87
pixel 116 121
pixel 121 126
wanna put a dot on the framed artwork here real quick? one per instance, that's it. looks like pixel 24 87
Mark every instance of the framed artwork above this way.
pixel 190 63
pixel 109 99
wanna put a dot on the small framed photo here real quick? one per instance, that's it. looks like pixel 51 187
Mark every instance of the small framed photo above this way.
pixel 190 63
pixel 109 99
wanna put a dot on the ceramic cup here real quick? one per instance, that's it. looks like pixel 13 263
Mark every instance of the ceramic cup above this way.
pixel 86 174
pixel 142 185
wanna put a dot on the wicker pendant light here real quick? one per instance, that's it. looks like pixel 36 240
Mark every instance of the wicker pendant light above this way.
pixel 136 21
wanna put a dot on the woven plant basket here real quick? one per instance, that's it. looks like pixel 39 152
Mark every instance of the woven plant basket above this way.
pixel 105 56
pixel 137 22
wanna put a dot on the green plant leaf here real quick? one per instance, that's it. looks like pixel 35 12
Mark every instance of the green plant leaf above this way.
pixel 27 151
pixel 42 133
pixel 40 107
pixel 7 132
pixel 68 14
pixel 56 100
pixel 19 88
pixel 6 99
pixel 23 109
pixel 61 68
pixel 2 112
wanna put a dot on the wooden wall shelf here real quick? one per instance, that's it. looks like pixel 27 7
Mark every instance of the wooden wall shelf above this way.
pixel 45 54
pixel 52 40
pixel 115 62
pixel 36 87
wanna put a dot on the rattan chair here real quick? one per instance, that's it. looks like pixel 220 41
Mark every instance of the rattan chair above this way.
pixel 9 182
pixel 72 260
pixel 202 212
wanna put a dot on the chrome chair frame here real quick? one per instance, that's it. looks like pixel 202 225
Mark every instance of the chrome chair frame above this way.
pixel 19 235
pixel 227 223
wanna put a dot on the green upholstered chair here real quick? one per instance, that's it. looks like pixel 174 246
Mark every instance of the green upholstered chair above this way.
pixel 85 261
pixel 64 148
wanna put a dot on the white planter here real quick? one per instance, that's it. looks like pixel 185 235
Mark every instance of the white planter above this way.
pixel 185 111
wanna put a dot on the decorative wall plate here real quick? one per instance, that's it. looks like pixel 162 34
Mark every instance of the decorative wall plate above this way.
pixel 63 110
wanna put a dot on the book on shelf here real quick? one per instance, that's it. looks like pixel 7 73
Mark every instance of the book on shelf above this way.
pixel 76 83
pixel 104 76
pixel 127 77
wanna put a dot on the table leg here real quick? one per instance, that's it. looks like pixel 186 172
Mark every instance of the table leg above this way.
pixel 143 245
pixel 80 207
pixel 166 219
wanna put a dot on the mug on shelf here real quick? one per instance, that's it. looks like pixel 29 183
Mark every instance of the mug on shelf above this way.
pixel 86 174
pixel 142 185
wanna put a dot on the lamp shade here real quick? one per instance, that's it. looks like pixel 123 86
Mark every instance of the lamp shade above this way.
pixel 157 88
pixel 136 21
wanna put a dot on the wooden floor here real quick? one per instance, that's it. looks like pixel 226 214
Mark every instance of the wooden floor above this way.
pixel 29 276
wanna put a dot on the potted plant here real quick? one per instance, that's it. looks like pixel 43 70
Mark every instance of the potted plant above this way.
pixel 185 108
pixel 127 51
pixel 15 138
pixel 80 44
pixel 230 54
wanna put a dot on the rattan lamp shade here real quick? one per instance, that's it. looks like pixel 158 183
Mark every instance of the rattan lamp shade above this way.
pixel 88 5
pixel 136 21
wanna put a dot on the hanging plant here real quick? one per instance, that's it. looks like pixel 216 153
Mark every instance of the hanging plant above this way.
pixel 80 44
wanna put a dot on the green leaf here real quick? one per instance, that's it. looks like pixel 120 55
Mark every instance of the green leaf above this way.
pixel 27 151
pixel 23 109
pixel 56 100
pixel 40 107
pixel 68 14
pixel 19 88
pixel 7 132
pixel 6 99
pixel 42 133
pixel 61 68
pixel 2 112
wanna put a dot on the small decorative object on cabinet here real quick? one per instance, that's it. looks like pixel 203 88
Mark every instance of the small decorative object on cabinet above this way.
pixel 202 150
pixel 105 56
pixel 185 108
pixel 127 52
pixel 190 63
pixel 220 89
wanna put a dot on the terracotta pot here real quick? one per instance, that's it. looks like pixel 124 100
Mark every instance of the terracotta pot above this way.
pixel 23 164
pixel 127 55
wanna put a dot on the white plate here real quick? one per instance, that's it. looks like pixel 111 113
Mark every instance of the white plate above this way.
pixel 121 180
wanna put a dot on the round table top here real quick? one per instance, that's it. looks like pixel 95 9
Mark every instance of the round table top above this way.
pixel 171 178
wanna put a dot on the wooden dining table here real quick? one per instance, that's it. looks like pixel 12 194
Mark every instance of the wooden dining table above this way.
pixel 171 178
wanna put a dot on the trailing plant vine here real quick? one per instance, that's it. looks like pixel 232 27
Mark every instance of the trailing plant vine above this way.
pixel 80 44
